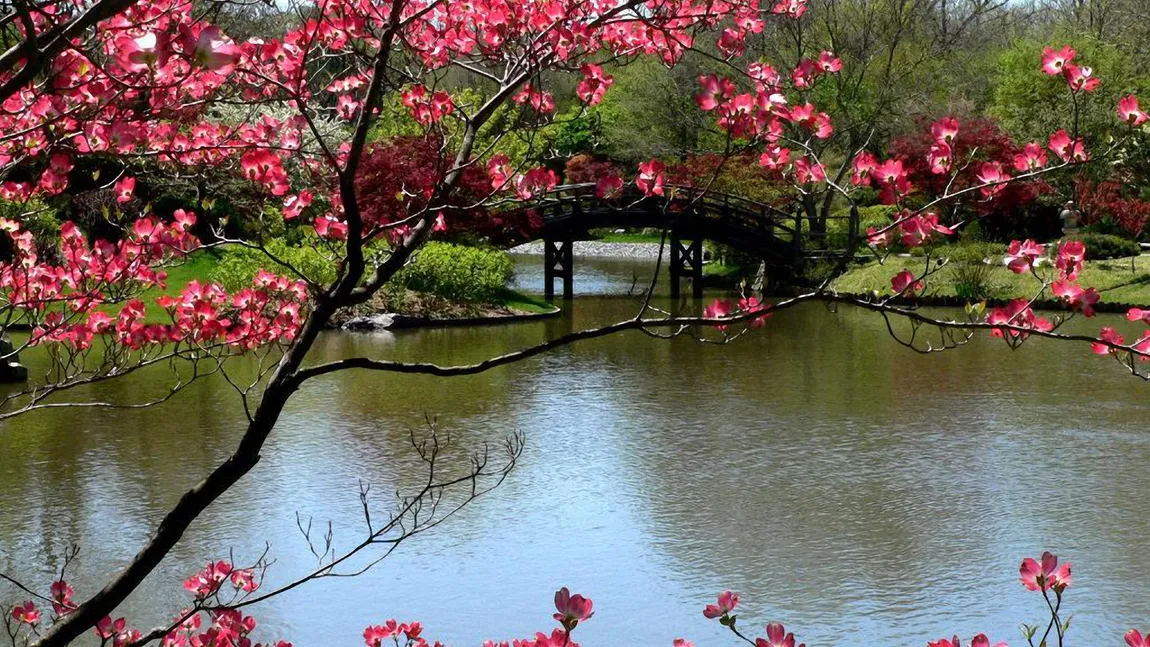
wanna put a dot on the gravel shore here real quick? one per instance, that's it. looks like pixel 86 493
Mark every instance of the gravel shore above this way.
pixel 597 248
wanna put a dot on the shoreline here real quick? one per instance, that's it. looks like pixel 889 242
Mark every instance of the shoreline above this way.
pixel 951 301
pixel 595 249
pixel 398 321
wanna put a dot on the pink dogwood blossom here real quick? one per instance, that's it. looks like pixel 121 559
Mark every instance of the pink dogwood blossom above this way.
pixel 26 613
pixel 727 600
pixel 904 283
pixel 651 178
pixel 572 609
pixel 1045 574
pixel 1129 112
pixel 1053 60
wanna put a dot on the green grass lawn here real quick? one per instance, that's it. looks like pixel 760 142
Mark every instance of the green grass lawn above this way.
pixel 517 300
pixel 720 270
pixel 1113 279
pixel 632 237
pixel 198 266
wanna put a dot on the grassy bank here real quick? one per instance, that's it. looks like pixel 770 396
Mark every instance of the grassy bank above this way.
pixel 720 274
pixel 1115 279
pixel 630 237
pixel 512 300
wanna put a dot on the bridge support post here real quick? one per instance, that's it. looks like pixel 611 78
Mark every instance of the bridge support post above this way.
pixel 686 260
pixel 854 227
pixel 557 258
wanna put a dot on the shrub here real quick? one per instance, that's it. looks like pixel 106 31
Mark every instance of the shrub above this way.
pixel 1111 207
pixel 586 168
pixel 972 281
pixel 239 265
pixel 577 131
pixel 730 256
pixel 36 217
pixel 1016 212
pixel 458 272
pixel 395 180
pixel 1100 247
pixel 972 266
pixel 740 175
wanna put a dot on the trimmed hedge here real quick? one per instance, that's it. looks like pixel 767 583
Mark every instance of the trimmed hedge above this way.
pixel 1100 247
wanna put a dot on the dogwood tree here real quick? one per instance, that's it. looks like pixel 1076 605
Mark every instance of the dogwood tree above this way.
pixel 154 82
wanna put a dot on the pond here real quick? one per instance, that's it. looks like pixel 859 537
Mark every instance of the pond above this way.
pixel 858 492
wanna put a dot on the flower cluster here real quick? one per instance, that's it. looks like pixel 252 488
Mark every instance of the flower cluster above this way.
pixel 1016 319
pixel 1058 62
pixel 375 636
pixel 913 228
pixel 776 633
pixel 207 582
pixel 225 627
pixel 722 308
pixel 1110 342
pixel 763 112
pixel 427 107
pixel 90 274
pixel 203 314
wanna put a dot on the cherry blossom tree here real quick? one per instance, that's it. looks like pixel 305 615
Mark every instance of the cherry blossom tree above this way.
pixel 155 82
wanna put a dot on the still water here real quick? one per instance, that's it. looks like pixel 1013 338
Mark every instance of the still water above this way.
pixel 863 494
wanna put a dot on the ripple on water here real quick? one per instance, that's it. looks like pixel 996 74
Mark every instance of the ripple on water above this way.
pixel 859 493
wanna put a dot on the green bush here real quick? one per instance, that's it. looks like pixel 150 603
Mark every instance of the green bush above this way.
pixel 972 232
pixel 972 281
pixel 457 272
pixel 38 218
pixel 239 265
pixel 971 267
pixel 1100 247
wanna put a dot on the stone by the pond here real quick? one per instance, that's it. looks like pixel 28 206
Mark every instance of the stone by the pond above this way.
pixel 11 370
pixel 381 321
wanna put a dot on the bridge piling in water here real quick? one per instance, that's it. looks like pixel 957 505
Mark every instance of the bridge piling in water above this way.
pixel 558 258
pixel 686 260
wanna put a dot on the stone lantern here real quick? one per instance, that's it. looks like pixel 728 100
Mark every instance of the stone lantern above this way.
pixel 1069 218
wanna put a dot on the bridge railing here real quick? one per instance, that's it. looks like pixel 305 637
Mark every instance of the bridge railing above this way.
pixel 753 212
pixel 825 236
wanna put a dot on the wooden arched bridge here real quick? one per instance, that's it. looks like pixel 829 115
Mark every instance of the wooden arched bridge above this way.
pixel 690 216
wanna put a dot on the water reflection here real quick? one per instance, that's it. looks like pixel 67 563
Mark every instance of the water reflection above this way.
pixel 855 490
